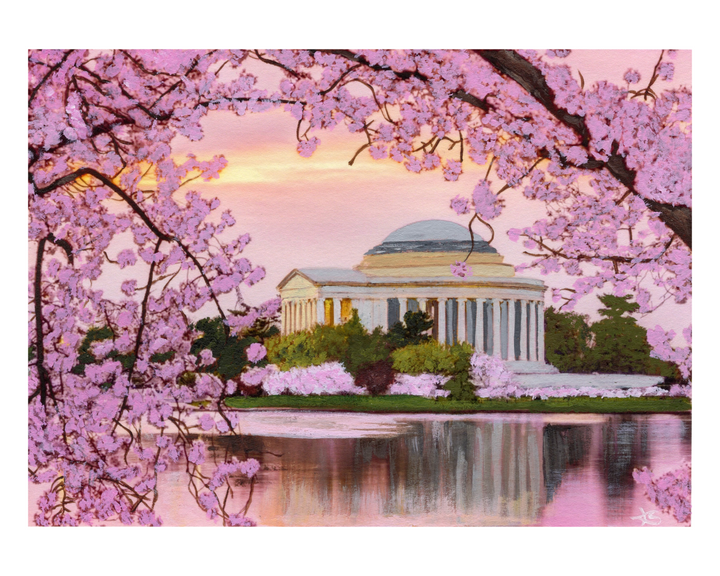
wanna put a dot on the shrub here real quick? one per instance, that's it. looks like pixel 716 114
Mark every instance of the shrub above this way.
pixel 568 339
pixel 295 350
pixel 433 358
pixel 461 388
pixel 376 377
pixel 349 343
pixel 248 390
pixel 427 385
pixel 329 378
pixel 489 372
pixel 615 344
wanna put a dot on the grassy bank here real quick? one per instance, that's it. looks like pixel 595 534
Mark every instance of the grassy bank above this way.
pixel 415 404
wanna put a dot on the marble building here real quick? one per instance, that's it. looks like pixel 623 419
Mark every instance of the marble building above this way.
pixel 492 309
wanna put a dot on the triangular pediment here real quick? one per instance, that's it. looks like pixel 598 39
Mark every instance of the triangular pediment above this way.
pixel 294 280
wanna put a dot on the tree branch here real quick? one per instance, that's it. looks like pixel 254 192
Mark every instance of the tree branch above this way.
pixel 511 64
pixel 69 178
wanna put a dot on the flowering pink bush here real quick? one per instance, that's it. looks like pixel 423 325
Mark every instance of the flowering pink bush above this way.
pixel 427 385
pixel 509 391
pixel 670 492
pixel 328 378
pixel 489 372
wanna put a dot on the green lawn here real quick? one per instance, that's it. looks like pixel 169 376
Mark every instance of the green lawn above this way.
pixel 418 404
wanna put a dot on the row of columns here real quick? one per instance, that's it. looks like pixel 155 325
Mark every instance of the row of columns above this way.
pixel 303 314
pixel 532 332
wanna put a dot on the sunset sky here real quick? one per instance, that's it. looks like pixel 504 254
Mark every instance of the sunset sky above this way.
pixel 321 212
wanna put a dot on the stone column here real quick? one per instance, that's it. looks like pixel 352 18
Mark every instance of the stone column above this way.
pixel 320 311
pixel 461 319
pixel 365 317
pixel 511 329
pixel 479 325
pixel 377 314
pixel 382 307
pixel 403 308
pixel 541 331
pixel 336 311
pixel 283 318
pixel 497 342
pixel 532 356
pixel 442 319
pixel 523 331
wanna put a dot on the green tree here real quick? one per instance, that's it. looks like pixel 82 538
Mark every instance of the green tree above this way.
pixel 568 339
pixel 229 351
pixel 411 331
pixel 621 345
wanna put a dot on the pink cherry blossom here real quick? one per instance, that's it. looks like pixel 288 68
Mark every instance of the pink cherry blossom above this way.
pixel 255 352
pixel 460 269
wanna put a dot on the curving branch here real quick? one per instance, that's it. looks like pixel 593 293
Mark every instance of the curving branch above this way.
pixel 509 63
pixel 481 103
pixel 73 176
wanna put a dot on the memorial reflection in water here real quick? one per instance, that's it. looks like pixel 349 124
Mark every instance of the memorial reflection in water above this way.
pixel 484 470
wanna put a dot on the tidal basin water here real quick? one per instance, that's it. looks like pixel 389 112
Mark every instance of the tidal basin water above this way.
pixel 343 469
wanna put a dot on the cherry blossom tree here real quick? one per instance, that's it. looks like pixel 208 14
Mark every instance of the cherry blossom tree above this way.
pixel 106 195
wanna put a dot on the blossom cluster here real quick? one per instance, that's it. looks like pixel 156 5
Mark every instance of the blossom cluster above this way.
pixel 670 492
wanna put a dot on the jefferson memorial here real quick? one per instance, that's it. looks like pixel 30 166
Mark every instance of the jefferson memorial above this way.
pixel 492 309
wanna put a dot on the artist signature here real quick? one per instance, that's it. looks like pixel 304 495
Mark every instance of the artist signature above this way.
pixel 648 518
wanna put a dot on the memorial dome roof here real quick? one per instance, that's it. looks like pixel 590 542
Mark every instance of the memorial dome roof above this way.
pixel 431 236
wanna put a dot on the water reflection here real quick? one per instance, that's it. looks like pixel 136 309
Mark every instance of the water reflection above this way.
pixel 475 470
